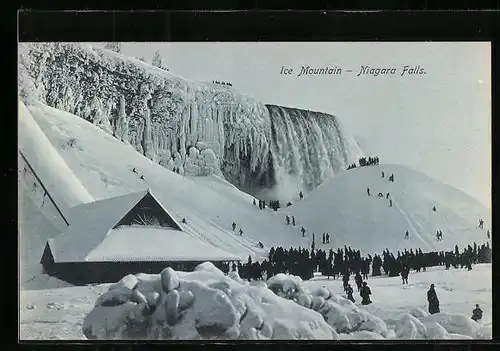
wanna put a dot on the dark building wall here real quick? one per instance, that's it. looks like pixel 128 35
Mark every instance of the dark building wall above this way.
pixel 81 273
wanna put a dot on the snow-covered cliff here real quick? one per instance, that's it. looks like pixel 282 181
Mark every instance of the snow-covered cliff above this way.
pixel 200 128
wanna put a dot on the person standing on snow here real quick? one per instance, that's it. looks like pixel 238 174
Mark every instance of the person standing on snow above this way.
pixel 481 223
pixel 324 241
pixel 301 195
pixel 383 175
pixel 433 300
pixel 241 232
pixel 365 294
pixel 368 191
pixel 234 226
pixel 293 221
pixel 359 280
pixel 349 292
pixel 407 234
pixel 287 219
pixel 477 313
pixel 345 280
pixel 327 238
pixel 404 274
pixel 303 230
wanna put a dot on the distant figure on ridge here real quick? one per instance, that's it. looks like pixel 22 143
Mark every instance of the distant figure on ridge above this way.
pixel 234 226
pixel 433 300
pixel 254 202
pixel 368 191
pixel 183 220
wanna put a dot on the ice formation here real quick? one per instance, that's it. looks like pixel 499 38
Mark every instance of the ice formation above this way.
pixel 207 304
pixel 199 128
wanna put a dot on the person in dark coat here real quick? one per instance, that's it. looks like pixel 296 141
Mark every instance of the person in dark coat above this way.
pixel 433 300
pixel 390 203
pixel 234 226
pixel 359 280
pixel 293 221
pixel 365 294
pixel 349 291
pixel 383 174
pixel 301 195
pixel 368 191
pixel 324 238
pixel 287 219
pixel 241 232
pixel 404 274
pixel 254 202
pixel 345 280
pixel 184 220
pixel 434 208
pixel 327 238
pixel 303 230
pixel 477 313
pixel 488 234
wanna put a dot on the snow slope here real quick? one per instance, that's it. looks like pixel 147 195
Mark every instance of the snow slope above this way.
pixel 342 208
pixel 104 166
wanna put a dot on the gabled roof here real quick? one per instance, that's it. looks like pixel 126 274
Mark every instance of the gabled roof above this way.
pixel 138 243
pixel 91 222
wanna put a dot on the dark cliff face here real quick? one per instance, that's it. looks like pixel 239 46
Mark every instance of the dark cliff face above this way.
pixel 199 128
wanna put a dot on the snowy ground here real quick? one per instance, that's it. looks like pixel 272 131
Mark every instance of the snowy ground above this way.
pixel 458 291
pixel 59 313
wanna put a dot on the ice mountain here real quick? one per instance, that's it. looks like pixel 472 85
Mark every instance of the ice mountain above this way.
pixel 201 128
pixel 341 207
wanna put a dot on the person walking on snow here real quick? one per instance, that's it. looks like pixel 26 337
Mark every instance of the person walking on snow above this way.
pixel 359 280
pixel 303 230
pixel 434 208
pixel 481 223
pixel 477 313
pixel 349 292
pixel 390 203
pixel 383 174
pixel 287 219
pixel 324 238
pixel 345 280
pixel 433 300
pixel 142 177
pixel 365 294
pixel 407 234
pixel 404 274
pixel 327 238
pixel 488 233
pixel 134 170
pixel 387 196
pixel 241 232
pixel 234 226
pixel 301 195
pixel 368 191
pixel 293 221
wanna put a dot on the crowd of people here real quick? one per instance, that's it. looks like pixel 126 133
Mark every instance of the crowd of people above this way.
pixel 346 262
pixel 222 83
pixel 364 161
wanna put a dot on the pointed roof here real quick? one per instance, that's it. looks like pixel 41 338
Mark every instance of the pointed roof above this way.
pixel 91 222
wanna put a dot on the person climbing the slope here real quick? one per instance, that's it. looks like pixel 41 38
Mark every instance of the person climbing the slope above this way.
pixel 349 292
pixel 368 191
pixel 434 208
pixel 387 196
pixel 287 220
pixel 241 232
pixel 254 202
pixel 488 234
pixel 324 238
pixel 301 195
pixel 303 230
pixel 383 174
pixel 365 294
pixel 134 170
pixel 390 203
pixel 433 300
pixel 293 221
pixel 142 177
pixel 234 226
pixel 327 238
pixel 481 223
pixel 407 234
pixel 477 313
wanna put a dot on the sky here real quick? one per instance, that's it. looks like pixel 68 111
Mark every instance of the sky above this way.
pixel 438 123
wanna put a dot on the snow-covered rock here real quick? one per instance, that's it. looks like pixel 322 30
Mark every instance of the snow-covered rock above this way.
pixel 205 304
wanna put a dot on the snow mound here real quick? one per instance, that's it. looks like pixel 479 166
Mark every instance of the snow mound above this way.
pixel 204 304
pixel 342 207
pixel 340 313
